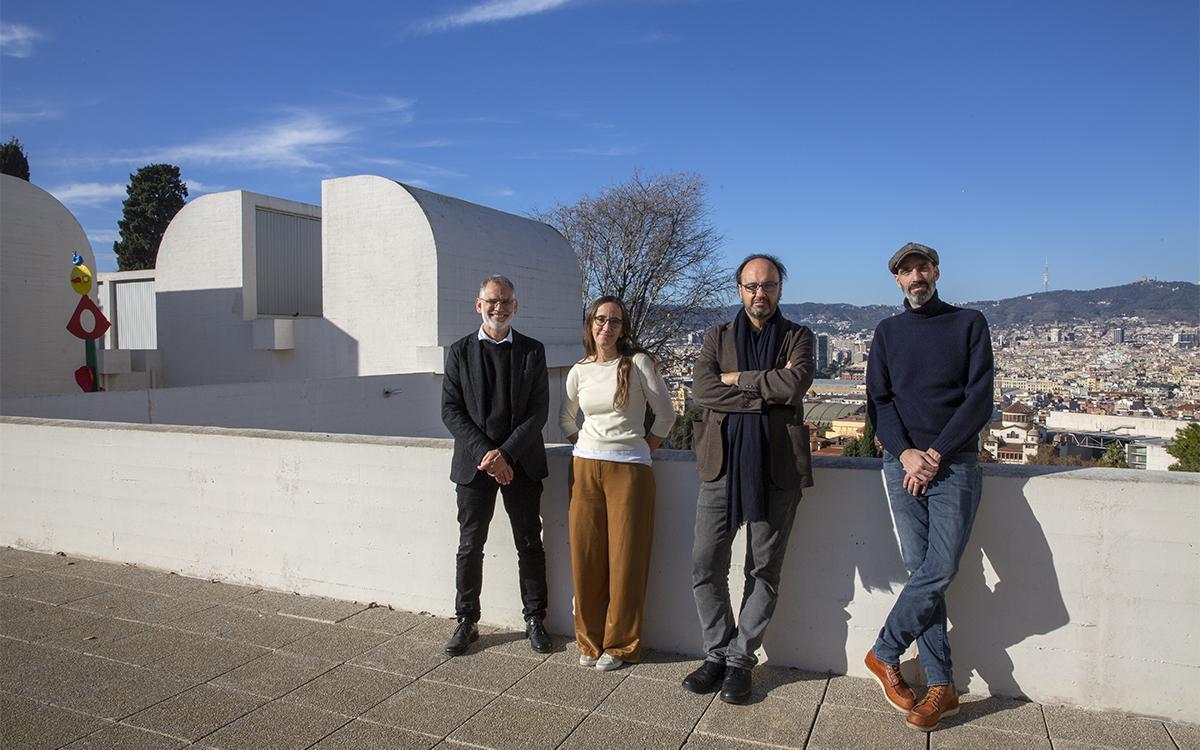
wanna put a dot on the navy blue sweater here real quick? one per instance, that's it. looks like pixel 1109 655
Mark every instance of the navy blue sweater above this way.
pixel 929 378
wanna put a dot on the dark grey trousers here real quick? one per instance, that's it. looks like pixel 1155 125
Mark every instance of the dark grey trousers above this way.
pixel 766 543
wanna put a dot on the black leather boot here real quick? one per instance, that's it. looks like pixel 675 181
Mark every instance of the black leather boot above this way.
pixel 464 635
pixel 535 631
pixel 706 678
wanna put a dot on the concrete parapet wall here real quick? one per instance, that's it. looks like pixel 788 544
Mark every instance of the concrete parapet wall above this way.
pixel 1078 586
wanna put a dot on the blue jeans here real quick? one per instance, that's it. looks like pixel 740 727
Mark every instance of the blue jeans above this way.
pixel 933 530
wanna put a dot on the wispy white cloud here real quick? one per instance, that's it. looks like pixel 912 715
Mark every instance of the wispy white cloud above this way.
pixel 412 167
pixel 491 11
pixel 103 235
pixel 88 193
pixel 196 187
pixel 16 39
pixel 601 151
pixel 298 141
pixel 12 116
pixel 503 192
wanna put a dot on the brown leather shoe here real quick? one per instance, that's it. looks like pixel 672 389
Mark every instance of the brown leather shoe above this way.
pixel 895 689
pixel 941 701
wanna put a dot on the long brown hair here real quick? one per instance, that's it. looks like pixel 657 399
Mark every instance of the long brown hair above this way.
pixel 626 346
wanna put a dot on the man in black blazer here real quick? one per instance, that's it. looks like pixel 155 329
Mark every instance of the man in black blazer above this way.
pixel 495 397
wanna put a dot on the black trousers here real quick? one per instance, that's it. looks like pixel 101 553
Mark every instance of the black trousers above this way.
pixel 476 505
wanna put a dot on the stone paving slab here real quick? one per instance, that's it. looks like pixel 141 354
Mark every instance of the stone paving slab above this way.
pixel 117 574
pixel 384 620
pixel 29 620
pixel 483 671
pixel 363 735
pixel 139 606
pixel 26 723
pixel 275 674
pixel 348 689
pixel 151 645
pixel 1006 714
pixel 1107 730
pixel 50 587
pixel 199 589
pixel 840 727
pixel 276 725
pixel 430 707
pixel 1187 737
pixel 336 642
pixel 968 737
pixel 19 558
pixel 771 721
pixel 519 724
pixel 309 607
pixel 567 686
pixel 200 659
pixel 403 655
pixel 664 665
pixel 652 702
pixel 125 738
pixel 96 634
pixel 246 625
pixel 196 712
pixel 607 733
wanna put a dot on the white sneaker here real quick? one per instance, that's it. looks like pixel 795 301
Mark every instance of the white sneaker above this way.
pixel 607 662
pixel 586 661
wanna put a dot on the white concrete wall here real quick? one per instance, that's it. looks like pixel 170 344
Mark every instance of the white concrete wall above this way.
pixel 207 303
pixel 37 235
pixel 402 266
pixel 1078 586
pixel 354 405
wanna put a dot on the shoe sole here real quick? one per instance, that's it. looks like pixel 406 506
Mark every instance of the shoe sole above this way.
pixel 883 689
pixel 736 700
pixel 945 714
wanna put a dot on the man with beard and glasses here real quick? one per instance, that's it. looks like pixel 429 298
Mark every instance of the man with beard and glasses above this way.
pixel 495 398
pixel 929 390
pixel 753 457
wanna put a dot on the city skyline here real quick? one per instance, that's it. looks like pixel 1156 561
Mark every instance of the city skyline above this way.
pixel 1003 136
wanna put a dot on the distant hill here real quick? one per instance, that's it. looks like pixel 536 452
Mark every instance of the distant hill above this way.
pixel 1154 301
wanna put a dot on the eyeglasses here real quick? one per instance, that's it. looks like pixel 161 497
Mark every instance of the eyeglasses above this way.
pixel 601 321
pixel 770 287
pixel 497 302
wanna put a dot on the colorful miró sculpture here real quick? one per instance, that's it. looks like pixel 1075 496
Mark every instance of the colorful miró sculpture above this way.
pixel 81 282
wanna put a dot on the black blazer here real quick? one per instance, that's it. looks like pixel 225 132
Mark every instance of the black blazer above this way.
pixel 462 407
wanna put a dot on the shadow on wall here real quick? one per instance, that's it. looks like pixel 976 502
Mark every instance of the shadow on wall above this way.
pixel 990 611
pixel 204 341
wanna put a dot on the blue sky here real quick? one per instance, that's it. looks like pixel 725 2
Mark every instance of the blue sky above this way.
pixel 1002 134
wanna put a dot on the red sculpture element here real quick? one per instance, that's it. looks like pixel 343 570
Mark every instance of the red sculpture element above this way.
pixel 85 378
pixel 100 325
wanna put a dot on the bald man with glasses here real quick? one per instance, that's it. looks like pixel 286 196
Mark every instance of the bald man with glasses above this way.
pixel 495 398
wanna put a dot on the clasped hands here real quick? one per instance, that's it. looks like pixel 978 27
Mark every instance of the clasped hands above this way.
pixel 496 467
pixel 920 467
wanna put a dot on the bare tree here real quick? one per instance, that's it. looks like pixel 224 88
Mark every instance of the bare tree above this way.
pixel 649 242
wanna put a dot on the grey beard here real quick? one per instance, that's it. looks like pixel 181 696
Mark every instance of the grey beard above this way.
pixel 759 315
pixel 916 299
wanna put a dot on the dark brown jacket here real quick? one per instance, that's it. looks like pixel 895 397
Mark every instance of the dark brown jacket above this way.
pixel 782 389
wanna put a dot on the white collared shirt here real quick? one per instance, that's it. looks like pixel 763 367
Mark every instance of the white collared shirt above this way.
pixel 484 337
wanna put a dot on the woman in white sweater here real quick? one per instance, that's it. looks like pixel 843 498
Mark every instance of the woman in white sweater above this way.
pixel 611 518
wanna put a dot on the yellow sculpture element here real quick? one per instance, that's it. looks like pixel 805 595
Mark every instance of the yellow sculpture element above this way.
pixel 81 279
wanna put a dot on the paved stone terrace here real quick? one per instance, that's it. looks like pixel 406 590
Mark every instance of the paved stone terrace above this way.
pixel 99 655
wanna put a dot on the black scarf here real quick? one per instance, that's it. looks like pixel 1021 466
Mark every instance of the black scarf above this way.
pixel 747 458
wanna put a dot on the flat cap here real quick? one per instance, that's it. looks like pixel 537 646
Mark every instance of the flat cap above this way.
pixel 912 248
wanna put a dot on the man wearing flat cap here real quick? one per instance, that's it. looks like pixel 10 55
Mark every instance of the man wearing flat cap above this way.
pixel 929 390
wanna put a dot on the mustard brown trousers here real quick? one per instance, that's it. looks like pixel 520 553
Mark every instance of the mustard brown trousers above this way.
pixel 611 526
